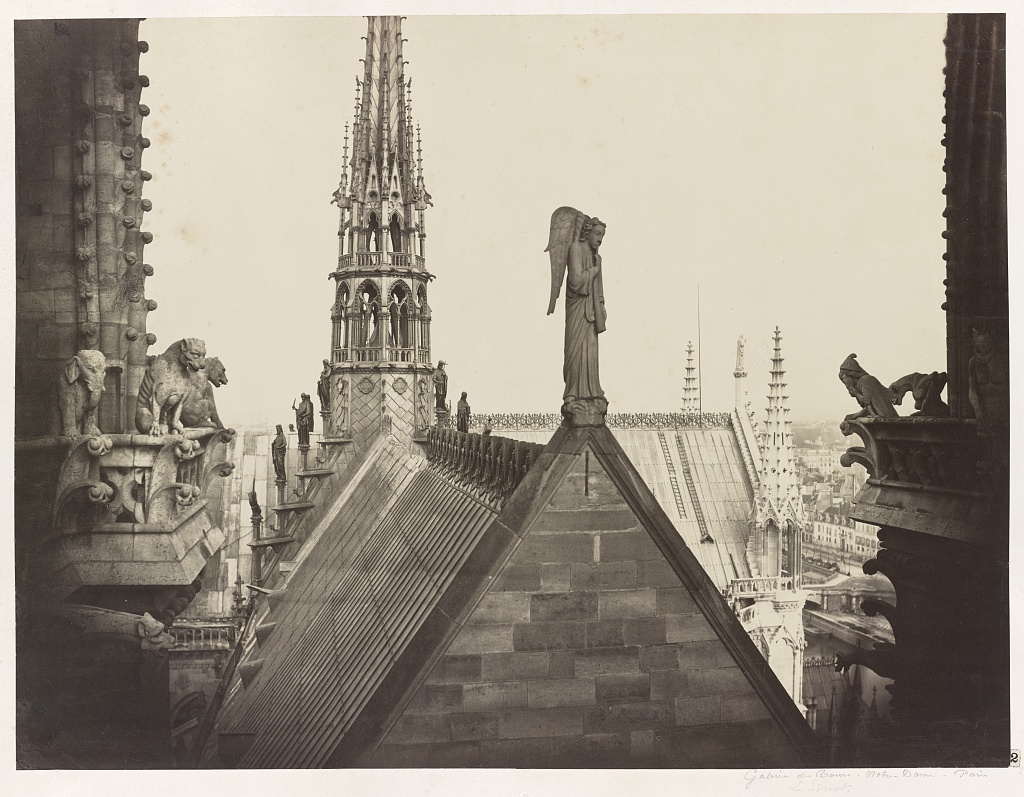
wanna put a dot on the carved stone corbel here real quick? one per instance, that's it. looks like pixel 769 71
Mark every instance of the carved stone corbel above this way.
pixel 165 464
pixel 79 478
pixel 162 507
pixel 875 606
pixel 871 455
pixel 882 660
pixel 221 469
pixel 71 502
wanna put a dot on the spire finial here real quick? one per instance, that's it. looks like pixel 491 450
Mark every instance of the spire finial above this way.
pixel 419 153
pixel 691 402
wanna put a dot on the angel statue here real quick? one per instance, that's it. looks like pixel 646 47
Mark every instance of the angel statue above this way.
pixel 573 245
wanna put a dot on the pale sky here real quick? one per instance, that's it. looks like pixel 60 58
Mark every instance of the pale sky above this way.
pixel 789 165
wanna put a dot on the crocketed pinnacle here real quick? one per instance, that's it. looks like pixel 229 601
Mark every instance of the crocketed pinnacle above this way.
pixel 778 493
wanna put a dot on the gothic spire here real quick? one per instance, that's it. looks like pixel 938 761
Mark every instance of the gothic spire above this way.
pixel 382 140
pixel 778 493
pixel 380 312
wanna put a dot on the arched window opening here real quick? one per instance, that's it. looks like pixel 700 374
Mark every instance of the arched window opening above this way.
pixel 341 318
pixel 367 307
pixel 424 321
pixel 771 550
pixel 399 301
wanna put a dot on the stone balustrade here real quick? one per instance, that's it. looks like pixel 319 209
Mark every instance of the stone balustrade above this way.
pixel 758 587
pixel 491 465
pixel 542 421
pixel 394 260
pixel 212 635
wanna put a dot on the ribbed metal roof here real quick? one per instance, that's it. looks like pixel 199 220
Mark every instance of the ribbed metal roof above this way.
pixel 351 606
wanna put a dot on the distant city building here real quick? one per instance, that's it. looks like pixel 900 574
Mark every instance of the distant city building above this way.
pixel 833 541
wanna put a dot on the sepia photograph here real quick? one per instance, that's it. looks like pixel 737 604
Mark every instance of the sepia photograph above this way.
pixel 511 389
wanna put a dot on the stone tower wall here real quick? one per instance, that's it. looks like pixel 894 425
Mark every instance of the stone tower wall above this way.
pixel 80 272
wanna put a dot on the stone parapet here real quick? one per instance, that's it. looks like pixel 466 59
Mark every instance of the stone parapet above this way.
pixel 924 476
pixel 537 421
pixel 116 510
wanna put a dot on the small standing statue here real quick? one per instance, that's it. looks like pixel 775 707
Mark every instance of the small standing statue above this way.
pixel 375 318
pixel 988 374
pixel 573 245
pixel 323 388
pixel 278 449
pixel 304 419
pixel 364 319
pixel 440 386
pixel 394 313
pixel 462 418
pixel 874 398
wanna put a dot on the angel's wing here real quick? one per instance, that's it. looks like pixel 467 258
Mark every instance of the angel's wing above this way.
pixel 566 224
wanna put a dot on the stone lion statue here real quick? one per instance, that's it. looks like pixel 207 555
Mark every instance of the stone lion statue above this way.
pixel 201 409
pixel 167 387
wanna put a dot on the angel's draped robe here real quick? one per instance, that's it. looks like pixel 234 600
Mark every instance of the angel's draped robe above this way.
pixel 584 318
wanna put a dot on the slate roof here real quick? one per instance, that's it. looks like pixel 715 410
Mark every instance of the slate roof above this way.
pixel 362 588
pixel 382 586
